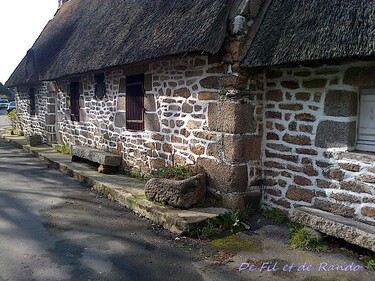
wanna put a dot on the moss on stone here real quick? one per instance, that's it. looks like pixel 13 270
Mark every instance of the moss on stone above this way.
pixel 236 242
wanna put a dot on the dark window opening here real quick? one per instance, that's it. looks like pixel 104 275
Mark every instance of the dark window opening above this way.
pixel 74 101
pixel 32 101
pixel 135 102
pixel 99 86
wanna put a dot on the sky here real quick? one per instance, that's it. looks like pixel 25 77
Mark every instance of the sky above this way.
pixel 21 22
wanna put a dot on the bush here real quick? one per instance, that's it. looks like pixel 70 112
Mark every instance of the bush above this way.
pixel 12 117
pixel 302 239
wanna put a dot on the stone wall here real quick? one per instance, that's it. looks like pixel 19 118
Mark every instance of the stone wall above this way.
pixel 310 123
pixel 32 124
pixel 193 115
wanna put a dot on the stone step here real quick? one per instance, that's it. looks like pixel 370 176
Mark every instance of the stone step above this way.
pixel 352 231
pixel 95 155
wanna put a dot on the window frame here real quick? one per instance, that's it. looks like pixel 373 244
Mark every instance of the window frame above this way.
pixel 135 94
pixel 366 140
pixel 74 94
pixel 100 88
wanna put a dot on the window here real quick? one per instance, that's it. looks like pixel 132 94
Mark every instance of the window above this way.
pixel 366 123
pixel 135 102
pixel 74 101
pixel 32 101
pixel 99 86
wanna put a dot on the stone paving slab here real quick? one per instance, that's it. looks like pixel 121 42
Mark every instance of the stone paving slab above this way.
pixel 352 231
pixel 126 190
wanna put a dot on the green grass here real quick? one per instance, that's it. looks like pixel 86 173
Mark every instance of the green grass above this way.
pixel 224 224
pixel 274 215
pixel 62 149
pixel 302 239
pixel 369 260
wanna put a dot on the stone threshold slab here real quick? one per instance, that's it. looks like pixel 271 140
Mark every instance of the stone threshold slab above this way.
pixel 352 231
pixel 126 190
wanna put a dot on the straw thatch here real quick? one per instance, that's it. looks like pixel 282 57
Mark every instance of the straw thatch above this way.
pixel 88 35
pixel 306 30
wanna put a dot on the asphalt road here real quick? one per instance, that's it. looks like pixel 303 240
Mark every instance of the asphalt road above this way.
pixel 52 228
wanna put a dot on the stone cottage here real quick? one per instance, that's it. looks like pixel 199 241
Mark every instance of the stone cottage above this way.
pixel 154 81
pixel 317 59
pixel 270 97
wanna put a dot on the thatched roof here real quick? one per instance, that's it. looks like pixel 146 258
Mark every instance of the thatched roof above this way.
pixel 305 30
pixel 88 35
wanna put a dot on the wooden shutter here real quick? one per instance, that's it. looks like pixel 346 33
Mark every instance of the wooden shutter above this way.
pixel 74 101
pixel 366 126
pixel 135 102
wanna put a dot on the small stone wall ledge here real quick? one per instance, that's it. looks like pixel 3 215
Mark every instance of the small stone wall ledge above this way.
pixel 354 232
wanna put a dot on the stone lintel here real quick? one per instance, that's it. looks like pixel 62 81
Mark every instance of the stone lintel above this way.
pixel 347 229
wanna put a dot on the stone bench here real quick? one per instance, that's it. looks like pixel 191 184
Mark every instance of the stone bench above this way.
pixel 352 231
pixel 107 161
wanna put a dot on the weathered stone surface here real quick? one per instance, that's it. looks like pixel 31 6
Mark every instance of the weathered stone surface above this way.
pixel 122 87
pixel 242 201
pixel 120 119
pixel 335 134
pixel 290 84
pixel 334 208
pixel 279 147
pixel 291 106
pixel 306 117
pixel 303 96
pixel 232 117
pixel 211 82
pixel 152 122
pixel 121 103
pixel 272 136
pixel 324 184
pixel 299 194
pixel 274 95
pixel 306 151
pixel 148 82
pixel 314 83
pixel 345 197
pixel 150 104
pixel 177 193
pixel 351 231
pixel 355 186
pixel 368 212
pixel 366 178
pixel 34 140
pixel 94 155
pixel 273 115
pixel 310 171
pixel 281 202
pixel 341 103
pixel 224 177
pixel 287 157
pixel 242 148
pixel 208 95
pixel 350 167
pixel 302 181
pixel 299 139
pixel 183 93
pixel 360 76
